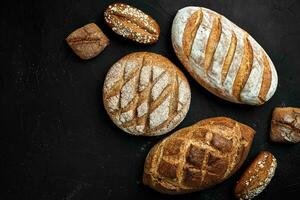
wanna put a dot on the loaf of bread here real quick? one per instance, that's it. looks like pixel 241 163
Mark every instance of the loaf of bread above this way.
pixel 145 94
pixel 198 157
pixel 132 23
pixel 222 57
pixel 256 177
pixel 285 126
pixel 87 41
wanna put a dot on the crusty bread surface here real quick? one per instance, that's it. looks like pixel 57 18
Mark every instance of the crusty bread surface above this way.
pixel 88 41
pixel 132 23
pixel 222 57
pixel 198 156
pixel 146 94
pixel 285 125
pixel 256 177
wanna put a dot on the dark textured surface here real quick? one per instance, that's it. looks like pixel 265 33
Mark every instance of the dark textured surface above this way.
pixel 56 140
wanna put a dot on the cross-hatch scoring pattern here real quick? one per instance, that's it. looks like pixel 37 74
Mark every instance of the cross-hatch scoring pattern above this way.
pixel 205 156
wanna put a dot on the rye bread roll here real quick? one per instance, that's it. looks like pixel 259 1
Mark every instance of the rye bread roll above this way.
pixel 285 125
pixel 88 41
pixel 256 177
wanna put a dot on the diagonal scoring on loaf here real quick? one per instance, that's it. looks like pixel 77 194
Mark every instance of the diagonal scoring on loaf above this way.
pixel 129 13
pixel 212 42
pixel 135 75
pixel 145 98
pixel 131 22
pixel 173 86
pixel 124 28
pixel 190 31
pixel 266 79
pixel 201 39
pixel 244 69
pixel 193 160
pixel 229 57
pixel 221 56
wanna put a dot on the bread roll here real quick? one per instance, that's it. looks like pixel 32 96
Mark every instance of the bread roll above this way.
pixel 132 23
pixel 256 177
pixel 198 157
pixel 145 94
pixel 222 57
pixel 88 41
pixel 285 126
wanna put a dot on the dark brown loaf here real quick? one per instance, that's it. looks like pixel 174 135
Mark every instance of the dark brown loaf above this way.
pixel 256 177
pixel 87 41
pixel 197 157
pixel 132 23
pixel 285 127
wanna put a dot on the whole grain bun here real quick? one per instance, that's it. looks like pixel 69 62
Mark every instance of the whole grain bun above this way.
pixel 146 94
pixel 132 23
pixel 256 177
pixel 198 156
pixel 222 57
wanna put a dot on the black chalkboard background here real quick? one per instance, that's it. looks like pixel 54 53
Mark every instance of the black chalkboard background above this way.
pixel 57 142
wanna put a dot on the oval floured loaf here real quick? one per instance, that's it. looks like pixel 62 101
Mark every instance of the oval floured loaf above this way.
pixel 146 94
pixel 222 57
pixel 197 157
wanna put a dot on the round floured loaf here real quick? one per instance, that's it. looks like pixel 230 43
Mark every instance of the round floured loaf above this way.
pixel 222 57
pixel 145 94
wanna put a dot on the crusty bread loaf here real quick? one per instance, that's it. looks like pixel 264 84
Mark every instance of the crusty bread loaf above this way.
pixel 222 57
pixel 285 126
pixel 87 41
pixel 197 157
pixel 256 177
pixel 145 94
pixel 132 23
